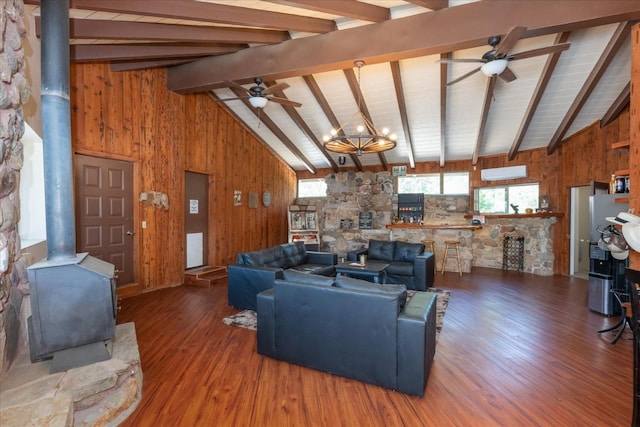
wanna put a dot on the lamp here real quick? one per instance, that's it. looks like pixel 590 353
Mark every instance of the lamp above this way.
pixel 358 135
pixel 495 67
pixel 258 101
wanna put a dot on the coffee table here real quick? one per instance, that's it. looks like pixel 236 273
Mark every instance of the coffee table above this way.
pixel 372 269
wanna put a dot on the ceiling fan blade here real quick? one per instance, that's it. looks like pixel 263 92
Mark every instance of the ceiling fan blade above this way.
pixel 453 60
pixel 284 101
pixel 464 76
pixel 540 51
pixel 232 99
pixel 236 85
pixel 509 40
pixel 275 88
pixel 507 75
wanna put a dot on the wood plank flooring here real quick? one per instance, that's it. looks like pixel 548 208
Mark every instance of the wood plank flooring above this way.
pixel 515 350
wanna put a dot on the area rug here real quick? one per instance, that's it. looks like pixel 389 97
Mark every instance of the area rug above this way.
pixel 247 318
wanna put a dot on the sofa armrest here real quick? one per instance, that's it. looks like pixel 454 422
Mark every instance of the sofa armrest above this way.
pixel 322 258
pixel 416 342
pixel 355 255
pixel 245 282
pixel 424 270
pixel 266 336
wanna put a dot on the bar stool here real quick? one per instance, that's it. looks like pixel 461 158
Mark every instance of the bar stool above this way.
pixel 451 245
pixel 428 246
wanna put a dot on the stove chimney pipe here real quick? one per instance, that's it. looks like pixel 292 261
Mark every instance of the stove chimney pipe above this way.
pixel 56 129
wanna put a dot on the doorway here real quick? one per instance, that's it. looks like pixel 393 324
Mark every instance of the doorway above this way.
pixel 196 219
pixel 579 236
pixel 104 210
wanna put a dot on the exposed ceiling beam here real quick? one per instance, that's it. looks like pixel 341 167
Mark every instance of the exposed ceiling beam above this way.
pixel 206 12
pixel 431 4
pixel 266 120
pixel 402 105
pixel 621 102
pixel 443 105
pixel 126 30
pixel 362 105
pixel 617 40
pixel 328 112
pixel 547 71
pixel 302 125
pixel 398 39
pixel 141 65
pixel 488 97
pixel 350 8
pixel 120 52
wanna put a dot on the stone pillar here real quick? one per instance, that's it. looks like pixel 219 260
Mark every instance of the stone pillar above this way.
pixel 14 91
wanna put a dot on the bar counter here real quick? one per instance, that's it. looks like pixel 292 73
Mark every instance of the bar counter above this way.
pixel 434 226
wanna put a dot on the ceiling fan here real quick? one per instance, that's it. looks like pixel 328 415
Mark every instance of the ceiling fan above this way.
pixel 259 95
pixel 495 61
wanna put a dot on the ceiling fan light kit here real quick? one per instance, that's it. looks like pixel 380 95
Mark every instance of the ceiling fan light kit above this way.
pixel 358 135
pixel 258 101
pixel 494 68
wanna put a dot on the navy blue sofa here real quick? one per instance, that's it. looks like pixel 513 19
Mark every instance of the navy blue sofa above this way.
pixel 256 271
pixel 352 328
pixel 408 263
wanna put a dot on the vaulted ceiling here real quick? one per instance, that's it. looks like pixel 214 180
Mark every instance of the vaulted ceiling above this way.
pixel 410 81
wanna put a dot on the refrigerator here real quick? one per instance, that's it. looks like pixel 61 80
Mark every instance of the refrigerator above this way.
pixel 605 272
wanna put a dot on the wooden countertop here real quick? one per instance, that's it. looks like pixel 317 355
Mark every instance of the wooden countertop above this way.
pixel 531 215
pixel 436 226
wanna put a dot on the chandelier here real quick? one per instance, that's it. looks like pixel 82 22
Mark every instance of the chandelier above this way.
pixel 358 135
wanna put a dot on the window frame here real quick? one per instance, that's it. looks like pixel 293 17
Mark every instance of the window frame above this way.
pixel 309 180
pixel 506 188
pixel 441 178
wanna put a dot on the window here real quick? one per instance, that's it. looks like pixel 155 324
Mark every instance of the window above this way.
pixel 498 200
pixel 312 188
pixel 435 183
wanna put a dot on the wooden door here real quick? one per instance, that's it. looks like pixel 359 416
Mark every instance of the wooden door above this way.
pixel 196 220
pixel 104 212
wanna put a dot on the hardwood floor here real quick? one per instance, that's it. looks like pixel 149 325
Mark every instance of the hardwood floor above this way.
pixel 515 350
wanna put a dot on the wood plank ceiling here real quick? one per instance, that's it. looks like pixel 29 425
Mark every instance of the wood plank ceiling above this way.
pixel 411 50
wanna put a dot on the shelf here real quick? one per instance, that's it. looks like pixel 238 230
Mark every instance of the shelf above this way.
pixel 436 226
pixel 621 172
pixel 621 200
pixel 531 215
pixel 620 144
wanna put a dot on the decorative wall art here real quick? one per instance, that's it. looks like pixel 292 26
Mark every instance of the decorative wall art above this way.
pixel 253 200
pixel 237 198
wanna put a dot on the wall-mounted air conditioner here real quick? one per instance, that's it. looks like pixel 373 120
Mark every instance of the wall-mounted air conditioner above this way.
pixel 509 172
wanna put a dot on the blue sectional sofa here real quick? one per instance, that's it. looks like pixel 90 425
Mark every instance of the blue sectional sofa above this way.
pixel 408 263
pixel 352 328
pixel 256 271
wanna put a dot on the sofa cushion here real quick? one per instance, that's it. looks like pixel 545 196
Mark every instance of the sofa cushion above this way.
pixel 407 252
pixel 294 254
pixel 255 258
pixel 362 285
pixel 381 249
pixel 313 279
pixel 400 269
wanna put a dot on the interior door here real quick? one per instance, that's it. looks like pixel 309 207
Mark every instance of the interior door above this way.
pixel 104 212
pixel 196 219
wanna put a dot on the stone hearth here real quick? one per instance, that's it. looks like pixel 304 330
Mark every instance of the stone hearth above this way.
pixel 104 393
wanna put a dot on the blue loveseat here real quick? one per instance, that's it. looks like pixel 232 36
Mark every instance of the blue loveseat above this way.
pixel 408 263
pixel 350 327
pixel 257 270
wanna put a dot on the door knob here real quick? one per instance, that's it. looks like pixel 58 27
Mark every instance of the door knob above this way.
pixel 130 233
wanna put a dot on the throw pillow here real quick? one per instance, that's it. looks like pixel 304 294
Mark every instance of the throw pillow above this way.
pixel 362 285
pixel 381 249
pixel 313 279
pixel 407 252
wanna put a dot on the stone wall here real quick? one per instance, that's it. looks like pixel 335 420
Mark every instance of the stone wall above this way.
pixel 14 91
pixel 349 193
